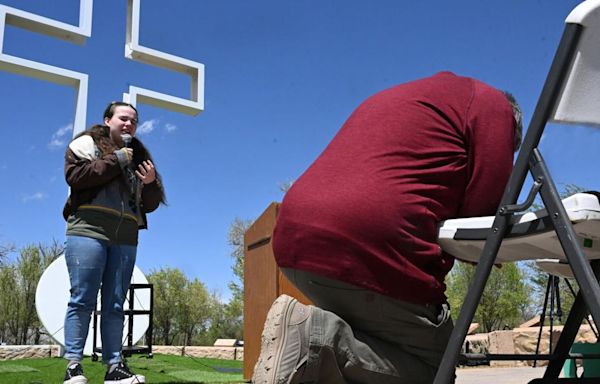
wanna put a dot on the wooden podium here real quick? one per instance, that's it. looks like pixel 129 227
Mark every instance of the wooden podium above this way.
pixel 263 283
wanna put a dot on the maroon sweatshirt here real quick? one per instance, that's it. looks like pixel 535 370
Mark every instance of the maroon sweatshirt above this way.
pixel 366 212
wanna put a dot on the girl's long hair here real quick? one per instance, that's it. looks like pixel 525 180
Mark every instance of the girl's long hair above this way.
pixel 101 136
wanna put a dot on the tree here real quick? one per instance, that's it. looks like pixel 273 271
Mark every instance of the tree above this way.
pixel 28 274
pixel 47 254
pixel 229 318
pixel 18 284
pixel 503 300
pixel 182 309
pixel 235 308
pixel 228 321
pixel 539 283
pixel 5 250
pixel 225 322
pixel 194 309
pixel 169 285
pixel 6 288
pixel 9 304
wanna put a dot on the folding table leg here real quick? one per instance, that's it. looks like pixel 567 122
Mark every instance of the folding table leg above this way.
pixel 543 318
pixel 569 332
pixel 579 263
pixel 567 336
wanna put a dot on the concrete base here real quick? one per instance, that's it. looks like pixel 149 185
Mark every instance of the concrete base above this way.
pixel 12 352
pixel 516 341
pixel 225 353
pixel 522 341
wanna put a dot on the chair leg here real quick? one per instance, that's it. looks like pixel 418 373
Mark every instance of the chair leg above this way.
pixel 445 374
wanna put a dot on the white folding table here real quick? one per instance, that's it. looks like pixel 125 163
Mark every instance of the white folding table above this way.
pixel 529 236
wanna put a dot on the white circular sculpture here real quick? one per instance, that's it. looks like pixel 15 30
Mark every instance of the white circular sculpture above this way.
pixel 52 296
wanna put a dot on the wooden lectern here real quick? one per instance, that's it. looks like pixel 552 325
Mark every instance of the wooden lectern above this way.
pixel 263 283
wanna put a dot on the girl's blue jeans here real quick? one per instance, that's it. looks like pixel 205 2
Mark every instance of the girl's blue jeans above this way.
pixel 93 265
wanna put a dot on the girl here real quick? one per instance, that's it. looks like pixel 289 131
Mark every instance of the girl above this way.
pixel 113 185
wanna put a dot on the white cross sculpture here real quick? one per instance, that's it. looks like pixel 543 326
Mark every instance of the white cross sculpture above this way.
pixel 78 35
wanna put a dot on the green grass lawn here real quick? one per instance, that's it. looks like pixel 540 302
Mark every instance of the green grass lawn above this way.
pixel 163 369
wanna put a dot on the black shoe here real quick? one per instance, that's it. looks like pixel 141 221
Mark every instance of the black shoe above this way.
pixel 74 375
pixel 122 375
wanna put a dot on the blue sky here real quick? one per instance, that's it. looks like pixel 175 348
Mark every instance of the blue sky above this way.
pixel 281 78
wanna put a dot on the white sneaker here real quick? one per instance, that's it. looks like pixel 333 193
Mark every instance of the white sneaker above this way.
pixel 74 375
pixel 122 375
pixel 284 342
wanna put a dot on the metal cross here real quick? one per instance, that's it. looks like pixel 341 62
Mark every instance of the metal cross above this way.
pixel 78 34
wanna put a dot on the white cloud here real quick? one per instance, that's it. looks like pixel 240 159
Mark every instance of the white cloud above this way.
pixel 55 143
pixel 58 138
pixel 146 127
pixel 170 127
pixel 35 196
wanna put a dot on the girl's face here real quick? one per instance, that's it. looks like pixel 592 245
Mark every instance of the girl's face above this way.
pixel 124 120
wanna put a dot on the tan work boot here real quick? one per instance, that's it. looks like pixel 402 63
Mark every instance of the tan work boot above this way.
pixel 284 342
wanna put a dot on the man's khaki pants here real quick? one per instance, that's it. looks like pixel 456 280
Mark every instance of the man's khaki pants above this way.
pixel 359 336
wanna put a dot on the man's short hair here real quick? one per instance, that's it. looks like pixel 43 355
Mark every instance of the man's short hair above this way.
pixel 518 119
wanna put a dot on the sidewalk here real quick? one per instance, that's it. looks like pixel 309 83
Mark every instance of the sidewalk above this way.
pixel 487 375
